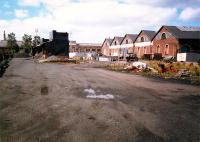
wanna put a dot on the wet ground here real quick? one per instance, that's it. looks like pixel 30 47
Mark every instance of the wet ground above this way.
pixel 50 103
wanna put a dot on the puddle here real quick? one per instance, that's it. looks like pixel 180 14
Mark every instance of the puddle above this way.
pixel 44 90
pixel 91 94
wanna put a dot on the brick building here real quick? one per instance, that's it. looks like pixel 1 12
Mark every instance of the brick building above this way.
pixel 170 40
pixel 115 46
pixel 143 43
pixel 127 44
pixel 106 47
pixel 85 47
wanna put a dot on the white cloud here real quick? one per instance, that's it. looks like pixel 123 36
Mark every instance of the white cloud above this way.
pixel 21 13
pixel 190 14
pixel 29 2
pixel 91 21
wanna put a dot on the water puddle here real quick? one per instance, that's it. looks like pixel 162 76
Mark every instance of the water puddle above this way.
pixel 91 94
pixel 44 90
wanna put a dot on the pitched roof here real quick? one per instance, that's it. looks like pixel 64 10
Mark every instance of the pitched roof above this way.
pixel 149 34
pixel 119 39
pixel 183 32
pixel 109 40
pixel 131 36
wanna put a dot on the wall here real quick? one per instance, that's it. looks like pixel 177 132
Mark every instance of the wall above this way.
pixel 105 49
pixel 144 47
pixel 171 41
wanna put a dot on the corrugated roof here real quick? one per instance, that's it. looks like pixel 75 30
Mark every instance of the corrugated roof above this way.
pixel 183 32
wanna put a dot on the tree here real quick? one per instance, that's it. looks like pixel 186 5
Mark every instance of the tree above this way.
pixel 27 43
pixel 36 41
pixel 12 43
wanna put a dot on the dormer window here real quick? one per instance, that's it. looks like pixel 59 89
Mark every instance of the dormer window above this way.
pixel 142 39
pixel 115 43
pixel 163 36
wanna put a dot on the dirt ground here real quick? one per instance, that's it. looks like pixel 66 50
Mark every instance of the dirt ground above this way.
pixel 47 103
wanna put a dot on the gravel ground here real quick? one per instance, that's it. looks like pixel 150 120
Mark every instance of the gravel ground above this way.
pixel 49 103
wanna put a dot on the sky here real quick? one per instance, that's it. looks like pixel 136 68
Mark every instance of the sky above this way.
pixel 91 21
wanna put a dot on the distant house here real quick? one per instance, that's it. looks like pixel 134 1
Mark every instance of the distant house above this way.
pixel 177 42
pixel 6 52
pixel 105 50
pixel 115 46
pixel 143 44
pixel 127 44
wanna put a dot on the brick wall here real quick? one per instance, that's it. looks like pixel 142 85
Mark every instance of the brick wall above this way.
pixel 166 47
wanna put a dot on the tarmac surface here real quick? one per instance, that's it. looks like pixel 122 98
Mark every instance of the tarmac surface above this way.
pixel 84 103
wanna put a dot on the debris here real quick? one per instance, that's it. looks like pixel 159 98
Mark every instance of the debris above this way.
pixel 163 68
pixel 90 91
pixel 128 67
pixel 168 59
pixel 153 70
pixel 183 73
pixel 140 65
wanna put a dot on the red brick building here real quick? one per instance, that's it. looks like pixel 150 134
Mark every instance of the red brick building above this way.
pixel 105 50
pixel 143 45
pixel 85 47
pixel 170 40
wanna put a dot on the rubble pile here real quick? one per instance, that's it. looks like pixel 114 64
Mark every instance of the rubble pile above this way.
pixel 56 59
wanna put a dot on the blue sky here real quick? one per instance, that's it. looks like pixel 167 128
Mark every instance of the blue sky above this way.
pixel 94 20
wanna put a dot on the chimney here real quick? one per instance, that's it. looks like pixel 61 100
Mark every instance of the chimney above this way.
pixel 4 35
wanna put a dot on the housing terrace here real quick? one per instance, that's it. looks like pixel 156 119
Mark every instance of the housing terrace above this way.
pixel 127 43
pixel 115 46
pixel 105 47
pixel 143 44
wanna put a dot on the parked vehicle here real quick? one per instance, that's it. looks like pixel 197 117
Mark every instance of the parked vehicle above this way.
pixel 131 57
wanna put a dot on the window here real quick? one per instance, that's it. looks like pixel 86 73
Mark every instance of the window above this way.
pixel 142 39
pixel 166 49
pixel 158 49
pixel 163 36
pixel 127 41
pixel 115 42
